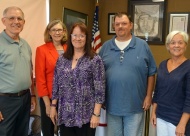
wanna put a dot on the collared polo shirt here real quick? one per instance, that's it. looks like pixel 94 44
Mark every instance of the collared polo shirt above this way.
pixel 15 64
pixel 126 75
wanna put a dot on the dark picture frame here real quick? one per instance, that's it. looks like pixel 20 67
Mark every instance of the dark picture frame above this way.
pixel 111 30
pixel 148 18
pixel 179 21
pixel 71 16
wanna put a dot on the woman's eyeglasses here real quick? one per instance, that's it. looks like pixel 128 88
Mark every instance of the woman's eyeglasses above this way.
pixel 75 36
pixel 57 30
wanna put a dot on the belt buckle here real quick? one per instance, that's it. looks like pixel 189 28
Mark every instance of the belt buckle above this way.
pixel 19 93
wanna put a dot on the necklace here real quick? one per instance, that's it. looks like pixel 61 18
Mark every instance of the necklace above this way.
pixel 77 57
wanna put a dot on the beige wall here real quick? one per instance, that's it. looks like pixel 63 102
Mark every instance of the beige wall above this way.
pixel 111 6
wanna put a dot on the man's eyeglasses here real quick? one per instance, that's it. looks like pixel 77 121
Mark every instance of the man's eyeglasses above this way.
pixel 75 36
pixel 121 56
pixel 19 19
pixel 57 30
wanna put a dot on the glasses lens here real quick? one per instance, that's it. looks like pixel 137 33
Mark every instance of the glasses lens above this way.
pixel 81 36
pixel 57 30
pixel 15 18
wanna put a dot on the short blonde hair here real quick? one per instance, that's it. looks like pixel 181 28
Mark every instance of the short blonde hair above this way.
pixel 47 37
pixel 173 33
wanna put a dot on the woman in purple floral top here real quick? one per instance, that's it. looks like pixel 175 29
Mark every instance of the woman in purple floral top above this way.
pixel 78 86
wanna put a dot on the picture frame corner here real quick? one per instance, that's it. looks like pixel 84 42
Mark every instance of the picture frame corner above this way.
pixel 111 30
pixel 69 17
pixel 179 17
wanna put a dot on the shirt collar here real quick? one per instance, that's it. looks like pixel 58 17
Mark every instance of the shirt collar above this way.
pixel 10 40
pixel 132 44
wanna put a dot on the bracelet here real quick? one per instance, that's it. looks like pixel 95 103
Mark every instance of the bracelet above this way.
pixel 53 105
pixel 97 115
pixel 33 95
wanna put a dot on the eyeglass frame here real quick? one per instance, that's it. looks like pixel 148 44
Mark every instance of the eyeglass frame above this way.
pixel 75 36
pixel 12 18
pixel 57 30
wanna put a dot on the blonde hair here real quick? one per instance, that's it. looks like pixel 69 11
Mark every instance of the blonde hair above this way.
pixel 48 38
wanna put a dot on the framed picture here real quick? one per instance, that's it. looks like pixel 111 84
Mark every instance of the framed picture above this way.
pixel 178 21
pixel 148 18
pixel 70 17
pixel 111 23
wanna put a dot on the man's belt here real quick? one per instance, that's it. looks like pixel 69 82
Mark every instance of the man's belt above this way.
pixel 21 93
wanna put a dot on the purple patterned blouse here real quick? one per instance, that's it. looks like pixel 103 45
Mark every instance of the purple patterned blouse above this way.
pixel 77 90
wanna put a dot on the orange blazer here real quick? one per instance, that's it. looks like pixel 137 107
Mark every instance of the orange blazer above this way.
pixel 45 61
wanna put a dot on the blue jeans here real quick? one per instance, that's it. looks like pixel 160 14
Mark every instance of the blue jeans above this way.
pixel 165 128
pixel 130 125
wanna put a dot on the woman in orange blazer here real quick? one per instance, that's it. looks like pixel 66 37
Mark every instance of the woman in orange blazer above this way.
pixel 55 37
